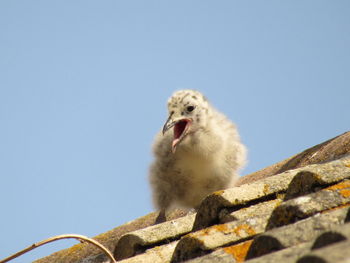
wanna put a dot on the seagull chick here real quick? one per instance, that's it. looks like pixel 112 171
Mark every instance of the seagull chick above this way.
pixel 197 152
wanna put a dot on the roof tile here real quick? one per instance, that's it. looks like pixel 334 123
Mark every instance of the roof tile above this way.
pixel 138 241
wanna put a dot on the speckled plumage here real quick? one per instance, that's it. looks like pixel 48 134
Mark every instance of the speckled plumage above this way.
pixel 199 152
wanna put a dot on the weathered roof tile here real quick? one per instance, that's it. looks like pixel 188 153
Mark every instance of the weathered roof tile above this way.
pixel 228 214
pixel 157 254
pixel 138 241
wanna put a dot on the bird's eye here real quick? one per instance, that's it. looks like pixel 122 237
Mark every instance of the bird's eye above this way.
pixel 190 108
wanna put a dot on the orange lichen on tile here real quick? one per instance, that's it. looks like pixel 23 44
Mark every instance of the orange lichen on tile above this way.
pixel 247 229
pixel 339 186
pixel 343 187
pixel 345 192
pixel 239 251
pixel 222 228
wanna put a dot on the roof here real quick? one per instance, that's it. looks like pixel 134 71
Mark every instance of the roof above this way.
pixel 297 210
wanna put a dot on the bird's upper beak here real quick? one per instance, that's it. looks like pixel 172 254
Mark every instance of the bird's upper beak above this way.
pixel 168 124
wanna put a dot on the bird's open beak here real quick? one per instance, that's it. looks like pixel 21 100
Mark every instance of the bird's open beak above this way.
pixel 181 129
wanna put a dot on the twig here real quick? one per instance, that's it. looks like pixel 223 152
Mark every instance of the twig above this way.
pixel 52 239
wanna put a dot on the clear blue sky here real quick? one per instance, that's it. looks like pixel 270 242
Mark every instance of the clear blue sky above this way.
pixel 84 84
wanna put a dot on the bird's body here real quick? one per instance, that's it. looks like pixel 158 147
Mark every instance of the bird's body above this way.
pixel 202 154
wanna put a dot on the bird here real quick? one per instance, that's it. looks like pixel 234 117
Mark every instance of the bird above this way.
pixel 198 151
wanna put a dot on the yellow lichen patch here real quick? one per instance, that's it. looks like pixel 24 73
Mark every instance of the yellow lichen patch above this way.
pixel 280 197
pixel 266 189
pixel 220 192
pixel 76 248
pixel 347 164
pixel 158 250
pixel 245 230
pixel 317 177
pixel 342 185
pixel 75 252
pixel 239 252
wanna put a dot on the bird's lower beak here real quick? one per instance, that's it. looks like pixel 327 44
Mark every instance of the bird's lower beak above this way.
pixel 168 124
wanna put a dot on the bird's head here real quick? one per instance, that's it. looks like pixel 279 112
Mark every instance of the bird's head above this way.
pixel 188 110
